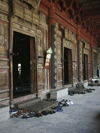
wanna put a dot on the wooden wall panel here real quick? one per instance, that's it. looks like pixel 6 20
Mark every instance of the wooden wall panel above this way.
pixel 4 61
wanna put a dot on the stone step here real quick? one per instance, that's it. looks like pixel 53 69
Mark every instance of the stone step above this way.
pixel 40 106
pixel 58 93
pixel 4 113
pixel 27 102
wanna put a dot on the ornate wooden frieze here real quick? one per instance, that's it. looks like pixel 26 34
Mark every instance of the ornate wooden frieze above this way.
pixel 43 25
pixel 58 42
pixel 58 32
pixel 40 65
pixel 43 18
pixel 74 39
pixel 4 95
pixel 15 19
pixel 80 61
pixel 32 3
pixel 59 65
pixel 69 35
pixel 4 6
pixel 74 71
pixel 87 46
pixel 3 39
pixel 94 50
pixel 36 16
pixel 24 29
pixel 40 77
pixel 3 63
pixel 59 53
pixel 40 47
pixel 41 87
pixel 34 27
pixel 21 11
pixel 3 79
pixel 57 25
pixel 66 34
pixel 40 32
pixel 16 26
pixel 85 51
pixel 59 74
pixel 68 44
pixel 59 83
pixel 58 39
pixel 4 17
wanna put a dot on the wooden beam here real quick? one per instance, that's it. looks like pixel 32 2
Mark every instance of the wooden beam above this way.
pixel 97 28
pixel 91 13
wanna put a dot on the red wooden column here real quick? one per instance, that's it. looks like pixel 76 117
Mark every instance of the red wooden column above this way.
pixel 51 22
pixel 78 38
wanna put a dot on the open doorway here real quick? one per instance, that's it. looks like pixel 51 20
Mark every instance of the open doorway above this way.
pixel 85 70
pixel 21 65
pixel 67 66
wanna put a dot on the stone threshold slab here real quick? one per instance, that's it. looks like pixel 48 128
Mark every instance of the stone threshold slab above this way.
pixel 39 106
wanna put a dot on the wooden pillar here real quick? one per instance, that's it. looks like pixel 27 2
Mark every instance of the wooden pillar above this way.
pixel 78 40
pixel 10 55
pixel 50 23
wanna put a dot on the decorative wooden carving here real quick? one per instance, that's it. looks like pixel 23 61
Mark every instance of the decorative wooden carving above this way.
pixel 87 46
pixel 59 74
pixel 3 39
pixel 4 95
pixel 4 7
pixel 40 77
pixel 3 79
pixel 21 11
pixel 4 17
pixel 94 50
pixel 32 3
pixel 43 18
pixel 3 63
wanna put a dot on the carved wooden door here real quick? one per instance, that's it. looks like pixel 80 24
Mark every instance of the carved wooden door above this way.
pixel 70 65
pixel 85 66
pixel 32 65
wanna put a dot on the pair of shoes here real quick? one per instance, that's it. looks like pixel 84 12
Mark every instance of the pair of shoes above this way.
pixel 59 110
pixel 83 92
pixel 38 115
pixel 70 93
pixel 51 111
pixel 44 112
pixel 89 91
pixel 69 102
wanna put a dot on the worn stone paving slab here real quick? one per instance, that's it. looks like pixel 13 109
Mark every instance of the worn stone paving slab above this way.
pixel 82 117
pixel 39 106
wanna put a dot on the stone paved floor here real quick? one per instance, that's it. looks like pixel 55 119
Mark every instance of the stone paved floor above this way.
pixel 82 117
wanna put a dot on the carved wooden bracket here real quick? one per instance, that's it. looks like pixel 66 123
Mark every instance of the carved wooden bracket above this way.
pixel 32 3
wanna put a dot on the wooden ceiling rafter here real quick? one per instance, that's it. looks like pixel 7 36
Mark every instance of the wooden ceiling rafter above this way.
pixel 75 11
pixel 90 3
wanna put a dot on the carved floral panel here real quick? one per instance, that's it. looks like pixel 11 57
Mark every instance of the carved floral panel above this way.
pixel 3 39
pixel 3 79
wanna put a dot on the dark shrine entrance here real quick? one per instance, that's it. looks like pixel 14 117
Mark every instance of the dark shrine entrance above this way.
pixel 22 64
pixel 67 66
pixel 85 70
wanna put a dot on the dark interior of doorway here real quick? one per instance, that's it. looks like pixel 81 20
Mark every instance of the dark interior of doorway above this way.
pixel 21 65
pixel 67 66
pixel 85 70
